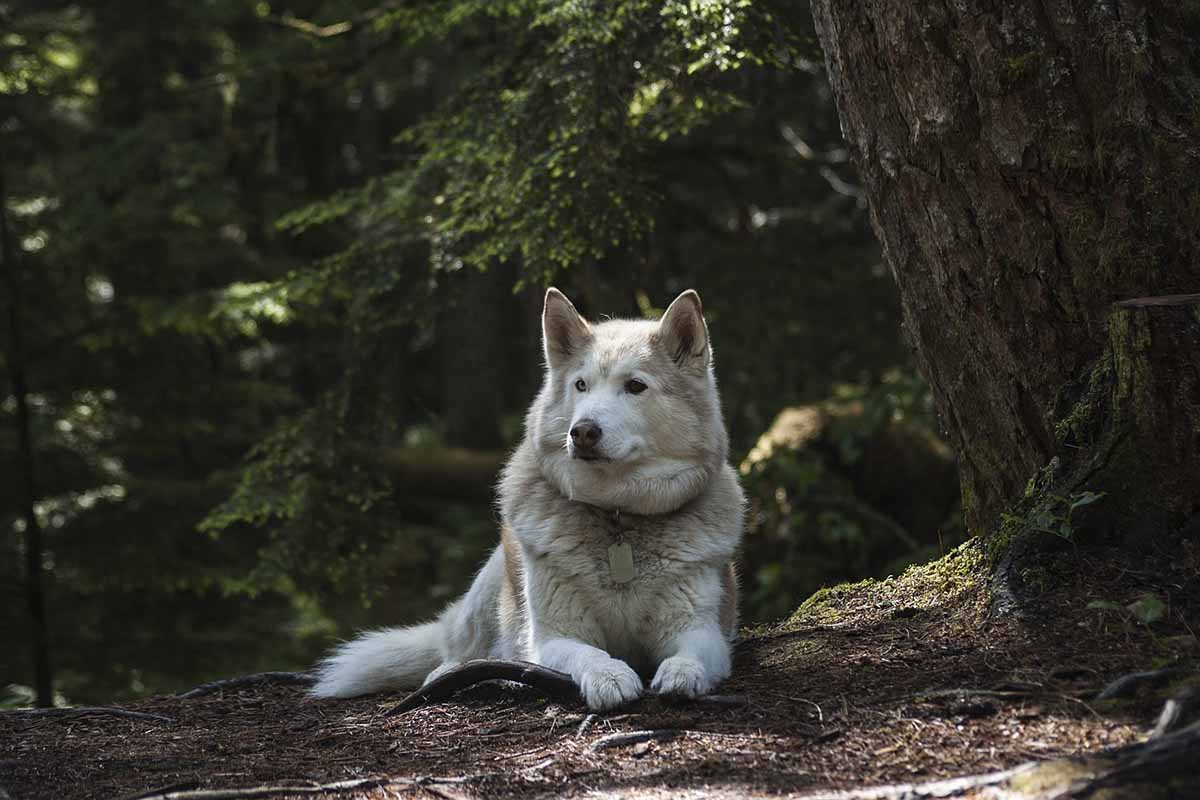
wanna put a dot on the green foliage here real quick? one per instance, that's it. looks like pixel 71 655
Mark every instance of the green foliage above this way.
pixel 1055 515
pixel 1146 609
pixel 546 149
pixel 303 482
pixel 812 520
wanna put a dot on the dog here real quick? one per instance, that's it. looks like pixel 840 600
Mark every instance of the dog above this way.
pixel 620 520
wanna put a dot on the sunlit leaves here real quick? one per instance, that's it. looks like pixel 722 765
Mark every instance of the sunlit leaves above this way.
pixel 545 150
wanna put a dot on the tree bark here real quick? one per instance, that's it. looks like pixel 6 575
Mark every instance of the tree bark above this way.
pixel 475 365
pixel 1028 166
pixel 43 677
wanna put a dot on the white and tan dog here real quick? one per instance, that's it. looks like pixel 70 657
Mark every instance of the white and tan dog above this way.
pixel 620 521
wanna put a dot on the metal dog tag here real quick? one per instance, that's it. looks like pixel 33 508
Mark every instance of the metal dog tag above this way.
pixel 620 562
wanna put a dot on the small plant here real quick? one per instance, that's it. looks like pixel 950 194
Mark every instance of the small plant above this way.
pixel 1147 609
pixel 1057 516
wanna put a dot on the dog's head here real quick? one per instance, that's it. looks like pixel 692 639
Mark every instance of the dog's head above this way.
pixel 628 416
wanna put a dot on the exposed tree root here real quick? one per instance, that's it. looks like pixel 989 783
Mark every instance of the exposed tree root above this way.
pixel 1177 711
pixel 257 679
pixel 554 683
pixel 1165 764
pixel 277 791
pixel 75 712
pixel 1127 685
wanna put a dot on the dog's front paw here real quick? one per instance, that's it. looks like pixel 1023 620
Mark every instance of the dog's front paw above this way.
pixel 686 677
pixel 609 684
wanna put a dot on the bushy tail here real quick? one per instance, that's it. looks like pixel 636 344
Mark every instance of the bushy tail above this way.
pixel 391 658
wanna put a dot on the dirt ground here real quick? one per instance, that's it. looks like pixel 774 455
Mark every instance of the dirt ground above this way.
pixel 897 681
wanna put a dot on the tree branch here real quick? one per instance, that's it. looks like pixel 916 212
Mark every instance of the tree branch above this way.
pixel 309 28
pixel 316 31
pixel 1160 300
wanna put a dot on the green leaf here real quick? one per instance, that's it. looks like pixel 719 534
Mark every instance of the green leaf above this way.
pixel 1085 499
pixel 1106 605
pixel 1148 609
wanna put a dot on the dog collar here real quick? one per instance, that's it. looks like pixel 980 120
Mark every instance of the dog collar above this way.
pixel 620 552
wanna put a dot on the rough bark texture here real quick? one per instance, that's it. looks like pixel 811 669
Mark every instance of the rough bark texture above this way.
pixel 1029 164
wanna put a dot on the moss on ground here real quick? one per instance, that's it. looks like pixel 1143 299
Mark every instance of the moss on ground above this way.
pixel 961 571
pixel 825 605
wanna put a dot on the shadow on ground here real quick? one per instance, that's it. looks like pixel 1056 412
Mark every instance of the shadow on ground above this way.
pixel 901 680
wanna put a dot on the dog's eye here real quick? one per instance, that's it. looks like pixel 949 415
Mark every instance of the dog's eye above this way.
pixel 634 386
pixel 581 385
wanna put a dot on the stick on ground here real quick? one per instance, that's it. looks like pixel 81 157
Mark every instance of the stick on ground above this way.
pixel 633 737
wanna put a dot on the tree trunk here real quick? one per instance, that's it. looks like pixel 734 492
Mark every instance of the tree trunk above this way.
pixel 43 676
pixel 474 360
pixel 1029 165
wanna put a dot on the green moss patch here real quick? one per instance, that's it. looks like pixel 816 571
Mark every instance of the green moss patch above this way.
pixel 959 574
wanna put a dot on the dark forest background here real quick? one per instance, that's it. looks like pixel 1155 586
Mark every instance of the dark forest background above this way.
pixel 272 283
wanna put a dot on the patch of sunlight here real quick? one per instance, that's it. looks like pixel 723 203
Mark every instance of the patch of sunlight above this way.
pixel 57 511
pixel 644 99
pixel 99 289
pixel 33 206
pixel 35 241
pixel 245 303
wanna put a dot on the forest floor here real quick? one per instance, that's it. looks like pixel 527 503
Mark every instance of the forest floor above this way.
pixel 897 681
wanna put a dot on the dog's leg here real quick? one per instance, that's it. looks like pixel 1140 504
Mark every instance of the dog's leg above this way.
pixel 604 681
pixel 696 660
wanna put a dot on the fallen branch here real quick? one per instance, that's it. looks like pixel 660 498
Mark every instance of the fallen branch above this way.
pixel 275 791
pixel 585 726
pixel 953 787
pixel 453 473
pixel 74 712
pixel 257 679
pixel 554 683
pixel 633 737
pixel 1129 684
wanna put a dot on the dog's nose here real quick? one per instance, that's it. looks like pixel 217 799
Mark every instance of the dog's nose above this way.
pixel 585 434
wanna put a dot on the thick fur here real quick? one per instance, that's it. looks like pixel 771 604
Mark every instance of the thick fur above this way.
pixel 656 479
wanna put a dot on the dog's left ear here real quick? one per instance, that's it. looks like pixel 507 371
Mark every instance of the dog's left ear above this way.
pixel 682 332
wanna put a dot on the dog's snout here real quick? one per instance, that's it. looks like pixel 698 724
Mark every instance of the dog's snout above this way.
pixel 585 434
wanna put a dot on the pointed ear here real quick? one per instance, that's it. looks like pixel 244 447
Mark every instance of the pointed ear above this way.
pixel 564 332
pixel 682 332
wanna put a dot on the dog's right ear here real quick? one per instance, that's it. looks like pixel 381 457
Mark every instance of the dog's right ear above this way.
pixel 564 331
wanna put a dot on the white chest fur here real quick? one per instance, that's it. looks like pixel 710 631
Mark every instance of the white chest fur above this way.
pixel 673 576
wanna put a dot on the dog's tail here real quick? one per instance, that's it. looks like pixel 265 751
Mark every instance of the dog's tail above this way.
pixel 402 658
pixel 390 658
